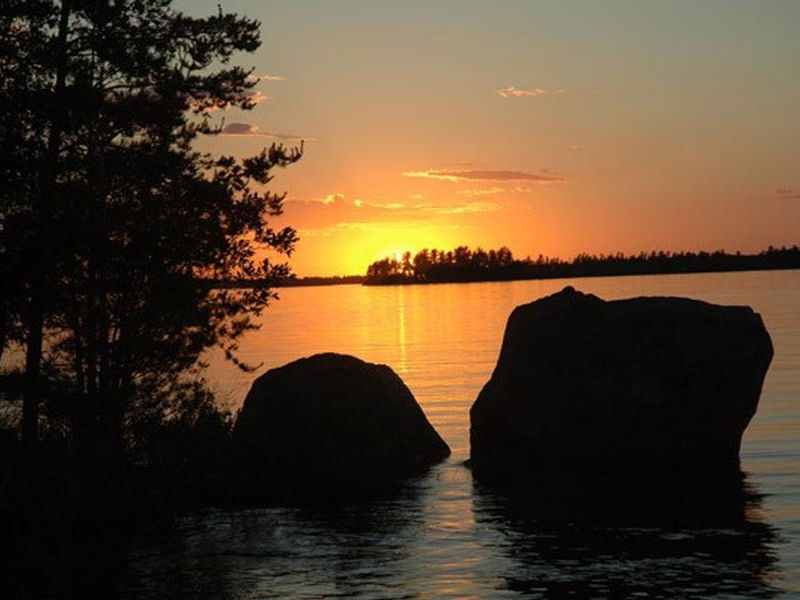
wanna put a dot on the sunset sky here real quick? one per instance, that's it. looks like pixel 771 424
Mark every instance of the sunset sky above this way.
pixel 552 127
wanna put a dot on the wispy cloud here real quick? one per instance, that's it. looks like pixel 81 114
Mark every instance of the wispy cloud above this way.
pixel 335 198
pixel 255 96
pixel 788 192
pixel 484 175
pixel 348 226
pixel 201 101
pixel 515 92
pixel 481 192
pixel 496 190
pixel 248 129
pixel 239 129
pixel 266 78
pixel 359 203
pixel 337 210
pixel 340 202
pixel 460 209
pixel 339 199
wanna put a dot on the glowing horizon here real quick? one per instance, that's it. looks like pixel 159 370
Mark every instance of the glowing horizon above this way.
pixel 551 129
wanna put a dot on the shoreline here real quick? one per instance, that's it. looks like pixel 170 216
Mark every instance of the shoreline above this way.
pixel 363 280
pixel 579 276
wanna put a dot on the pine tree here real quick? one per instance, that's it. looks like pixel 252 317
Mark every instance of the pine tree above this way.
pixel 113 228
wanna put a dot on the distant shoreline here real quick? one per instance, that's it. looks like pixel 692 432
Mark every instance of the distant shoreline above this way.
pixel 361 280
pixel 464 265
pixel 588 276
pixel 293 282
pixel 317 281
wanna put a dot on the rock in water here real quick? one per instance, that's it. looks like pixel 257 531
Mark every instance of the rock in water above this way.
pixel 585 385
pixel 330 423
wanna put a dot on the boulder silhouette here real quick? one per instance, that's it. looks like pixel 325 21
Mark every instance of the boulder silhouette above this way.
pixel 330 424
pixel 647 384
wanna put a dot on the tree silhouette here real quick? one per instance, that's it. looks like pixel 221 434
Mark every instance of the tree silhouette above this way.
pixel 112 226
pixel 422 264
pixel 463 264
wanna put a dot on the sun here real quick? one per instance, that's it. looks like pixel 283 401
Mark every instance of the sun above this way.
pixel 354 253
pixel 395 251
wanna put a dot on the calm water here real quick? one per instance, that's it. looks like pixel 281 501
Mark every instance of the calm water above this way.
pixel 444 535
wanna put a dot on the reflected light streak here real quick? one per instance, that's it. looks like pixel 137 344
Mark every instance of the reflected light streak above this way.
pixel 402 366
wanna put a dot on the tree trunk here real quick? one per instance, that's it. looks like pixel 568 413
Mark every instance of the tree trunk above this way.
pixel 5 322
pixel 38 239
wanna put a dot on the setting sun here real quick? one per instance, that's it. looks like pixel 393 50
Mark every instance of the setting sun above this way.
pixel 451 138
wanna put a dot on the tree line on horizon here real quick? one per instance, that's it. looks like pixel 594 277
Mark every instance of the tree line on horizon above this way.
pixel 464 264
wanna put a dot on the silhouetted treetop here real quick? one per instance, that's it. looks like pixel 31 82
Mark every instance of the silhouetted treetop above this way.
pixel 112 225
pixel 464 264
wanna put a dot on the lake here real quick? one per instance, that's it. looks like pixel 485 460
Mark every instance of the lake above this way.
pixel 443 535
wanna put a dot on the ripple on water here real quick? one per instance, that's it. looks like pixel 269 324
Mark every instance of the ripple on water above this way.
pixel 444 535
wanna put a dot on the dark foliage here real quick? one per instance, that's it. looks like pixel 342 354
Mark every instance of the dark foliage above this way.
pixel 112 226
pixel 463 264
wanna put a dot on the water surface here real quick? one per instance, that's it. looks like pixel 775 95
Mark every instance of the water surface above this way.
pixel 443 535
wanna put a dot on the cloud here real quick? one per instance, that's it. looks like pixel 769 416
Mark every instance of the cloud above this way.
pixel 483 175
pixel 239 129
pixel 335 198
pixel 788 192
pixel 515 92
pixel 355 225
pixel 266 78
pixel 248 129
pixel 254 96
pixel 359 203
pixel 314 233
pixel 339 199
pixel 337 210
pixel 496 190
pixel 288 137
pixel 338 202
pixel 471 207
pixel 199 102
pixel 481 192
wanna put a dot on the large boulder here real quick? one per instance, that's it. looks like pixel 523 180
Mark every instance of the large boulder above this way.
pixel 647 384
pixel 330 423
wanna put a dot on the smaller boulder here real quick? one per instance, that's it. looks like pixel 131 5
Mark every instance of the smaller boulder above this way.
pixel 330 423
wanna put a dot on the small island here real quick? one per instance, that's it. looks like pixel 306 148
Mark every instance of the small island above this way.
pixel 466 265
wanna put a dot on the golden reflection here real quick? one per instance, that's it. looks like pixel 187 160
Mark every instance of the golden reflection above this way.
pixel 402 366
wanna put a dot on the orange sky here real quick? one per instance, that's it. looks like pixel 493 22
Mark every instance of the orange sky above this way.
pixel 548 127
